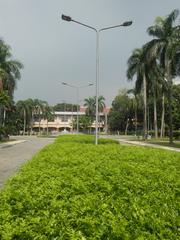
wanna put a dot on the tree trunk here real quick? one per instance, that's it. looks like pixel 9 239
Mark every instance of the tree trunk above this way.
pixel 155 116
pixel 106 126
pixel 1 84
pixel 135 121
pixel 148 120
pixel 32 122
pixel 127 124
pixel 169 81
pixel 162 117
pixel 39 121
pixel 145 107
pixel 4 116
pixel 1 113
pixel 47 130
pixel 24 130
pixel 1 107
pixel 170 113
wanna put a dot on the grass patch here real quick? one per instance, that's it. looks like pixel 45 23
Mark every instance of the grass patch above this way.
pixel 176 144
pixel 74 190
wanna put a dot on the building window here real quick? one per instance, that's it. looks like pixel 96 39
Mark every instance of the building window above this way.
pixel 64 119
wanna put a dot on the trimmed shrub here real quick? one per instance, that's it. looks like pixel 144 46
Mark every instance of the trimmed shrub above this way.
pixel 75 190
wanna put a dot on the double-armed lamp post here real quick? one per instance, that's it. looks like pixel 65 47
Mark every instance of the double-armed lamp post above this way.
pixel 77 95
pixel 125 24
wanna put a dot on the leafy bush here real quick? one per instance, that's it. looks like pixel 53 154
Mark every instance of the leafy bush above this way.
pixel 4 133
pixel 83 139
pixel 176 134
pixel 75 190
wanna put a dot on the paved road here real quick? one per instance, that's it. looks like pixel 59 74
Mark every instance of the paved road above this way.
pixel 13 155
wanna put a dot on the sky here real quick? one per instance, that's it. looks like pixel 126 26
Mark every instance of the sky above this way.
pixel 54 51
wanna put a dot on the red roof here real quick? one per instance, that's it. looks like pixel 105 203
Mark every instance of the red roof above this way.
pixel 105 110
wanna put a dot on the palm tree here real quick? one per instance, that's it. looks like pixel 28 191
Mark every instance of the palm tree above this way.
pixel 47 115
pixel 166 47
pixel 24 112
pixel 135 101
pixel 38 107
pixel 101 103
pixel 155 83
pixel 30 118
pixel 137 66
pixel 9 73
pixel 4 102
pixel 9 69
pixel 90 104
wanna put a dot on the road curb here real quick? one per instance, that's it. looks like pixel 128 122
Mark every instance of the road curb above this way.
pixel 136 143
pixel 11 143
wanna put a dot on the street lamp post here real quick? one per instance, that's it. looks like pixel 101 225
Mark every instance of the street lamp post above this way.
pixel 125 24
pixel 77 97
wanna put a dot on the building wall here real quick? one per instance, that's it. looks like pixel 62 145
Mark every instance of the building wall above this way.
pixel 63 120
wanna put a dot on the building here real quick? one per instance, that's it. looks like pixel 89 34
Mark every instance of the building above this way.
pixel 63 121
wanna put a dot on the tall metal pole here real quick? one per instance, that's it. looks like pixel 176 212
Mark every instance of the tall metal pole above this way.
pixel 77 96
pixel 125 24
pixel 64 114
pixel 97 86
pixel 77 89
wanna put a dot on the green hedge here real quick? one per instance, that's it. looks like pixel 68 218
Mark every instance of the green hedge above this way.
pixel 176 134
pixel 74 190
pixel 4 133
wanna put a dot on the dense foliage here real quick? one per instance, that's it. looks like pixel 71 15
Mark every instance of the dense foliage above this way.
pixel 67 107
pixel 9 74
pixel 176 106
pixel 75 190
pixel 154 67
pixel 127 112
pixel 125 115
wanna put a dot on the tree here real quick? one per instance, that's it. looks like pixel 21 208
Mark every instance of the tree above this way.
pixel 121 115
pixel 136 103
pixel 4 102
pixel 38 110
pixel 166 46
pixel 47 114
pixel 137 66
pixel 90 104
pixel 101 103
pixel 9 73
pixel 24 112
pixel 176 106
pixel 155 86
pixel 9 69
pixel 84 123
pixel 68 106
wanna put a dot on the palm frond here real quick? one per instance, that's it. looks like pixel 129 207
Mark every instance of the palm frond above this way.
pixel 156 31
pixel 171 17
pixel 169 20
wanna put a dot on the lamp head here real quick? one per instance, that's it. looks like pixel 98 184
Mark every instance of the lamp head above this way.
pixel 125 24
pixel 64 83
pixel 66 18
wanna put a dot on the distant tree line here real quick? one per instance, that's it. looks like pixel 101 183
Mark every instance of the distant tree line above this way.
pixel 126 115
pixel 21 116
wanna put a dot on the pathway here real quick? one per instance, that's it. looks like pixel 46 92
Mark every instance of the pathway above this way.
pixel 14 153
